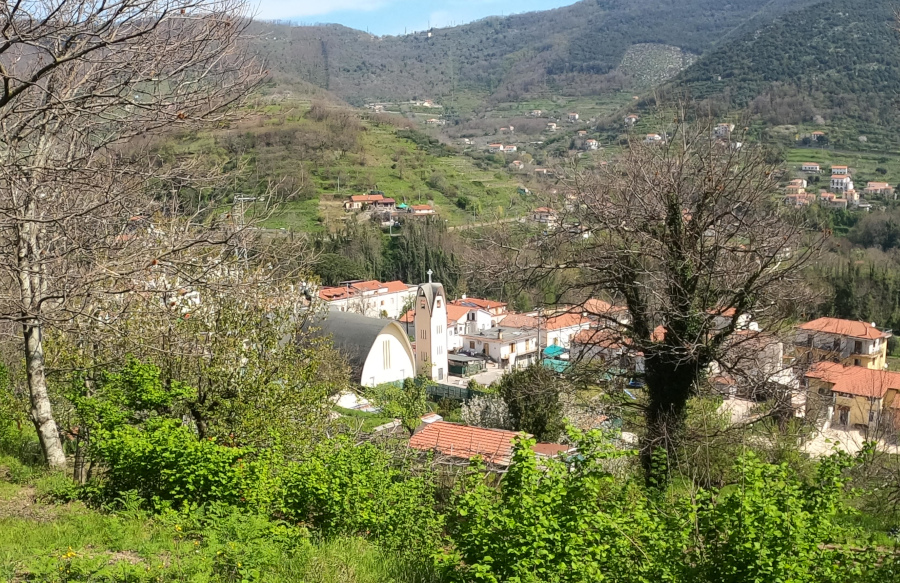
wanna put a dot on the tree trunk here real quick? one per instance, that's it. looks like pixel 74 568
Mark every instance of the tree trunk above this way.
pixel 41 412
pixel 670 383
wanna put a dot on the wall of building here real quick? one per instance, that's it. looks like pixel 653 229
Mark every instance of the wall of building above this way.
pixel 399 363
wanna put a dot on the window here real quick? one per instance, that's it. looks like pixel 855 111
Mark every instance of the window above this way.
pixel 386 354
pixel 440 374
pixel 423 334
pixel 440 329
pixel 809 341
pixel 382 302
pixel 855 362
pixel 440 350
pixel 872 416
pixel 472 344
pixel 424 357
pixel 470 316
pixel 512 346
pixel 836 345
pixel 438 303
pixel 857 347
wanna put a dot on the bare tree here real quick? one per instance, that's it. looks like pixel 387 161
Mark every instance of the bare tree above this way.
pixel 689 237
pixel 80 78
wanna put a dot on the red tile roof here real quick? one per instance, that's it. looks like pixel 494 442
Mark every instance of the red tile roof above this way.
pixel 562 321
pixel 855 380
pixel 481 303
pixel 519 321
pixel 334 293
pixel 456 313
pixel 366 198
pixel 600 338
pixel 466 442
pixel 845 328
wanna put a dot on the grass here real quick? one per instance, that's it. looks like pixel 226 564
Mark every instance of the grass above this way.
pixel 41 541
pixel 366 421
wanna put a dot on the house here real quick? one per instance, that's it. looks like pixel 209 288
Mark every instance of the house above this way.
pixel 631 119
pixel 653 139
pixel 816 135
pixel 797 186
pixel 543 172
pixel 832 201
pixel 369 298
pixel 545 216
pixel 559 330
pixel 843 170
pixel 879 189
pixel 607 346
pixel 551 127
pixel 841 182
pixel 378 351
pixel 464 442
pixel 517 165
pixel 850 342
pixel 460 320
pixel 509 149
pixel 605 314
pixel 384 204
pixel 496 310
pixel 495 148
pixel 798 200
pixel 511 348
pixel 433 122
pixel 359 201
pixel 572 116
pixel 420 210
pixel 810 167
pixel 581 133
pixel 723 130
pixel 591 144
pixel 536 113
pixel 853 396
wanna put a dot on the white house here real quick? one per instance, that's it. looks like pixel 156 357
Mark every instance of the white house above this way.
pixel 536 113
pixel 511 348
pixel 810 167
pixel 572 116
pixel 653 139
pixel 545 216
pixel 879 188
pixel 723 130
pixel 841 183
pixel 559 330
pixel 509 149
pixel 631 119
pixel 369 298
pixel 551 127
pixel 591 144
pixel 377 350
pixel 431 331
pixel 496 310
pixel 495 148
pixel 839 170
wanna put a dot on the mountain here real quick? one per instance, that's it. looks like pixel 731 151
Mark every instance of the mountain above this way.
pixel 573 50
pixel 835 64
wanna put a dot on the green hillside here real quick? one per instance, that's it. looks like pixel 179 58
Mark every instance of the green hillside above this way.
pixel 316 154
pixel 835 65
pixel 572 50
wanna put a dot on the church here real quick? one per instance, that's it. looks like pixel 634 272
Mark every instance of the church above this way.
pixel 431 331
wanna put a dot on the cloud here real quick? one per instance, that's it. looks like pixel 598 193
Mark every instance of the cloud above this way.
pixel 300 8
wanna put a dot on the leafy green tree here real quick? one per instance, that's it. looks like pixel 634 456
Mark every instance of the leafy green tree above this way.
pixel 532 397
pixel 407 402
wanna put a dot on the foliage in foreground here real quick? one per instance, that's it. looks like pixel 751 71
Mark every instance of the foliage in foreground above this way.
pixel 571 521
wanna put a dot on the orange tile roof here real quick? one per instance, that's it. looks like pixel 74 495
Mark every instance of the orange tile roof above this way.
pixel 520 321
pixel 334 293
pixel 481 303
pixel 550 449
pixel 421 207
pixel 364 286
pixel 600 338
pixel 544 209
pixel 456 313
pixel 845 328
pixel 877 185
pixel 409 316
pixel 562 321
pixel 465 441
pixel 366 197
pixel 855 380
pixel 395 286
pixel 810 164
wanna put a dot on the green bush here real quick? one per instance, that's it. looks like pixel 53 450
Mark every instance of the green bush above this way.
pixel 166 464
pixel 343 488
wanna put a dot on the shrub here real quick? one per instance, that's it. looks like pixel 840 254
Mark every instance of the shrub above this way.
pixel 344 488
pixel 166 463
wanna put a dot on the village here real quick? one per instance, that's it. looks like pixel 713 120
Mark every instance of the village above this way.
pixel 840 192
pixel 828 370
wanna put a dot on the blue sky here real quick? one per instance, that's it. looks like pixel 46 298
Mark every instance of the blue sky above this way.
pixel 396 16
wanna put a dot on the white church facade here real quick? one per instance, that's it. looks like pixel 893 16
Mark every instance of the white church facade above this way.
pixel 431 331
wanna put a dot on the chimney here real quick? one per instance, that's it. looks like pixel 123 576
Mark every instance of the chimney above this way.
pixel 464 296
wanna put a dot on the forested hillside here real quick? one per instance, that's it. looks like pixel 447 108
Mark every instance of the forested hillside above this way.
pixel 570 50
pixel 835 63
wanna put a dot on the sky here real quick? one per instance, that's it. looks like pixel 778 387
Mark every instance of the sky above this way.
pixel 383 17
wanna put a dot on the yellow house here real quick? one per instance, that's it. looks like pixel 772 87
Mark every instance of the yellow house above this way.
pixel 846 341
pixel 853 395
